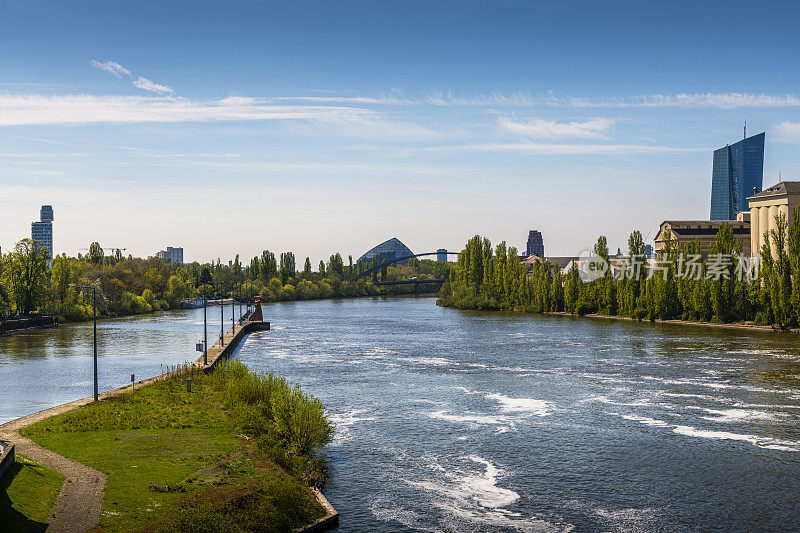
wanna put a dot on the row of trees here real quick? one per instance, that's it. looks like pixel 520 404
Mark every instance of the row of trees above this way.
pixel 128 285
pixel 726 287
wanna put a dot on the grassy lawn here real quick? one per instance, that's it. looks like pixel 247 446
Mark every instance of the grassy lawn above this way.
pixel 179 461
pixel 27 492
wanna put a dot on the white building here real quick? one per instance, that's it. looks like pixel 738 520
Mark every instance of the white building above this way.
pixel 171 255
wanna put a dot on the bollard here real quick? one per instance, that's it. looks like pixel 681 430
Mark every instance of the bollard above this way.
pixel 189 385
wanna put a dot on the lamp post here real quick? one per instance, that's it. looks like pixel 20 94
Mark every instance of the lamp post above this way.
pixel 205 279
pixel 94 318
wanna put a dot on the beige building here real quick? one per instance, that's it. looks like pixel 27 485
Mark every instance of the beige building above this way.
pixel 766 205
pixel 705 231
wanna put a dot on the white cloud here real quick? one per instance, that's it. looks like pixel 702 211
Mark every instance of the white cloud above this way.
pixel 537 128
pixel 682 100
pixel 149 85
pixel 562 149
pixel 788 132
pixel 17 110
pixel 112 67
pixel 447 98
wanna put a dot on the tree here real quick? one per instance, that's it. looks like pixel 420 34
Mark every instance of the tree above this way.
pixel 60 278
pixel 322 267
pixel 95 253
pixel 288 269
pixel 335 264
pixel 27 275
pixel 307 267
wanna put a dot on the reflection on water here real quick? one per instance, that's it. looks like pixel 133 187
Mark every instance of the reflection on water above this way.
pixel 47 367
pixel 454 421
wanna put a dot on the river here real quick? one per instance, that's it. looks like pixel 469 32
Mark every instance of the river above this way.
pixel 458 421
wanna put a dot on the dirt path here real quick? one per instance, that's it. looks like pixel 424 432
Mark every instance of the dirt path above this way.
pixel 79 504
pixel 80 501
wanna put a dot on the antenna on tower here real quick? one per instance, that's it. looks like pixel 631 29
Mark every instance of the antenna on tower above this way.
pixel 745 129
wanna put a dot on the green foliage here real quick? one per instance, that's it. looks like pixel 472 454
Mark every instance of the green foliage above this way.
pixel 25 275
pixel 267 404
pixel 678 286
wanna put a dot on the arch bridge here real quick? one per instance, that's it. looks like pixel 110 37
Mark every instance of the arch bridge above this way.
pixel 400 259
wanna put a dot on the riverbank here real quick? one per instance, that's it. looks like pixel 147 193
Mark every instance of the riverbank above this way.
pixel 736 326
pixel 176 460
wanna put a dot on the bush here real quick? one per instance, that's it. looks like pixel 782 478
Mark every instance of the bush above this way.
pixel 265 404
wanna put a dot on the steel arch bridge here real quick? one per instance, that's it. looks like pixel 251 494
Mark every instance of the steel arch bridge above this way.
pixel 398 260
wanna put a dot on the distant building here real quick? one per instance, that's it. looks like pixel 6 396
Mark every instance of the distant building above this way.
pixel 535 244
pixel 171 255
pixel 738 172
pixel 561 261
pixel 766 205
pixel 441 255
pixel 42 231
pixel 648 250
pixel 704 231
pixel 387 251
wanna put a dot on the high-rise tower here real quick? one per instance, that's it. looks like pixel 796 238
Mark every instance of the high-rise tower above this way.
pixel 535 244
pixel 738 173
pixel 42 230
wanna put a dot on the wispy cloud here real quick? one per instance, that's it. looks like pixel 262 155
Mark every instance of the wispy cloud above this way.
pixel 788 132
pixel 537 128
pixel 684 100
pixel 730 100
pixel 448 98
pixel 149 85
pixel 112 67
pixel 562 149
pixel 16 110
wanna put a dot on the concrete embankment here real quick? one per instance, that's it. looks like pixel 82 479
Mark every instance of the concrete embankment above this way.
pixel 11 325
pixel 228 343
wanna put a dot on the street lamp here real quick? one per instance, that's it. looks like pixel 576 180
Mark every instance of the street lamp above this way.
pixel 94 317
pixel 205 279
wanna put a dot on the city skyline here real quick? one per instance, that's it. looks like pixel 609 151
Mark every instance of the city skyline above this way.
pixel 333 129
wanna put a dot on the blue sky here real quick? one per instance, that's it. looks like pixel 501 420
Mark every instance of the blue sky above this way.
pixel 321 127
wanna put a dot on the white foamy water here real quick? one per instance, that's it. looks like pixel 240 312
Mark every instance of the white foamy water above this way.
pixel 739 415
pixel 470 418
pixel 521 405
pixel 475 497
pixel 344 421
pixel 769 443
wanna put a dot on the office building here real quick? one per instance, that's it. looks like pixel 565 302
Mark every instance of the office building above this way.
pixel 704 231
pixel 387 251
pixel 535 244
pixel 42 230
pixel 171 255
pixel 738 173
pixel 441 255
pixel 782 198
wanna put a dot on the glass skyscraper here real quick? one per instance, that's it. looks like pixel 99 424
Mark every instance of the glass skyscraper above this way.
pixel 42 230
pixel 738 173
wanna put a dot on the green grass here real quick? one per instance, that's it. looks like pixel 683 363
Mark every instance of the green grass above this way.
pixel 27 493
pixel 174 459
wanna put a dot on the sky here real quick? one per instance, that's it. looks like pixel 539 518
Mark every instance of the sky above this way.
pixel 319 127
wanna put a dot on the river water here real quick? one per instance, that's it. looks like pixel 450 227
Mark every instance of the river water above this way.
pixel 455 421
pixel 458 421
pixel 46 367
